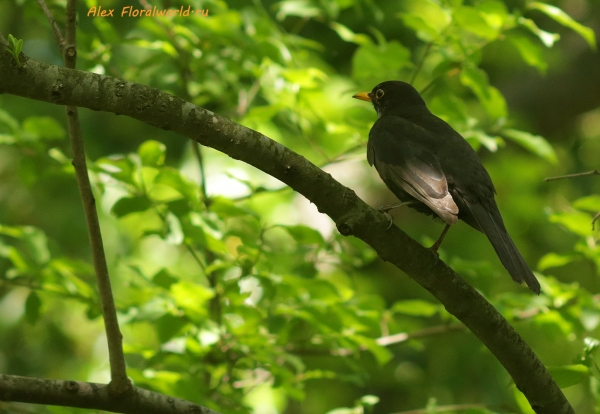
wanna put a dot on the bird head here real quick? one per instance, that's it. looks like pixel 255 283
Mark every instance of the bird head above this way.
pixel 394 98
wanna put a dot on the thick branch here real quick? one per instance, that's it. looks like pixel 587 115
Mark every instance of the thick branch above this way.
pixel 352 216
pixel 90 395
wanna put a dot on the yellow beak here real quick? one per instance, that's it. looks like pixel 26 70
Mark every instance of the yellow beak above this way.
pixel 363 96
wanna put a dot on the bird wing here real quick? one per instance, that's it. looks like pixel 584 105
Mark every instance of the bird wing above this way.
pixel 404 164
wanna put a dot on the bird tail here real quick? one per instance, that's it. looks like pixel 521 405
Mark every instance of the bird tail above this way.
pixel 492 225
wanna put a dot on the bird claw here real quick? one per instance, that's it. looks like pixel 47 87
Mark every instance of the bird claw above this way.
pixel 388 207
pixel 390 218
pixel 435 254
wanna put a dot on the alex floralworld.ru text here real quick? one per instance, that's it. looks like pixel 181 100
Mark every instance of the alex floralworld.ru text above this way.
pixel 129 11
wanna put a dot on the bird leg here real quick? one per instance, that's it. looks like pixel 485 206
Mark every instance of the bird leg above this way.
pixel 388 207
pixel 436 245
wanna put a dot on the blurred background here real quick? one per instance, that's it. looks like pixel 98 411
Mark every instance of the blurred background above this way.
pixel 232 290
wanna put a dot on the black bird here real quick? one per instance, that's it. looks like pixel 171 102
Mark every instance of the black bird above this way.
pixel 433 169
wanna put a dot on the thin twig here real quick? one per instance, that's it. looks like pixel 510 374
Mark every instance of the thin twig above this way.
pixel 68 48
pixel 577 175
pixel 403 336
pixel 113 335
pixel 387 340
pixel 444 409
pixel 197 150
pixel 420 64
pixel 55 29
pixel 246 98
pixel 429 85
pixel 595 219
pixel 119 381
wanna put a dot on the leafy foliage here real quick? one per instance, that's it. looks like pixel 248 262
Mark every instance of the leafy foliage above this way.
pixel 238 299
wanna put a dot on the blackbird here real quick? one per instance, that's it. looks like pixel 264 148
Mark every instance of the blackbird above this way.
pixel 433 169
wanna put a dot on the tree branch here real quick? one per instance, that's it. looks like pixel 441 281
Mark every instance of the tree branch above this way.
pixel 445 409
pixel 576 175
pixel 405 336
pixel 119 384
pixel 352 216
pixel 91 395
pixel 53 25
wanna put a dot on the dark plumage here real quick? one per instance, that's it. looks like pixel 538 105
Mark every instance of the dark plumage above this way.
pixel 421 158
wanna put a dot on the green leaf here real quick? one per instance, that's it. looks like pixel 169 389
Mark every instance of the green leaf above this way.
pixel 547 38
pixel 152 153
pixel 369 400
pixel 415 307
pixel 449 107
pixel 342 411
pixel 304 234
pixel 174 234
pixel 530 52
pixel 575 221
pixel 165 47
pixel 569 375
pixel 16 45
pixel 477 136
pixel 372 63
pixel 348 35
pixel 305 77
pixel 300 8
pixel 172 178
pixel 226 208
pixel 588 203
pixel 427 18
pixel 470 19
pixel 554 324
pixel 494 12
pixel 128 205
pixel 563 18
pixel 192 298
pixel 43 127
pixel 164 279
pixel 554 260
pixel 534 143
pixel 522 402
pixel 167 326
pixel 491 99
pixel 33 305
pixel 381 354
pixel 591 345
pixel 119 167
pixel 8 123
pixel 36 244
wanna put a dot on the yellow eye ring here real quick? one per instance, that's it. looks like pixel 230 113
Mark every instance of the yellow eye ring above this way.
pixel 379 94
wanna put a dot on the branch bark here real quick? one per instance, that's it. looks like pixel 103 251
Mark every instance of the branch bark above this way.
pixel 48 83
pixel 119 383
pixel 91 395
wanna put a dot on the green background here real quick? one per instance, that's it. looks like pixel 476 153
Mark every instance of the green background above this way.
pixel 249 300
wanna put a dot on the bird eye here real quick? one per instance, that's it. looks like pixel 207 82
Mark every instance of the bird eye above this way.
pixel 379 94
